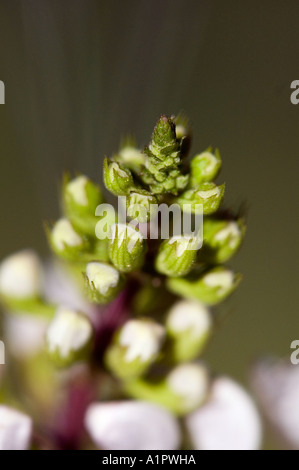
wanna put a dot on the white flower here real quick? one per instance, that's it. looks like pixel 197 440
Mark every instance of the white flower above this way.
pixel 276 385
pixel 132 425
pixel 227 421
pixel 24 334
pixel 190 382
pixel 61 289
pixel 184 243
pixel 231 234
pixel 142 339
pixel 102 276
pixel 15 429
pixel 63 234
pixel 223 280
pixel 77 189
pixel 189 315
pixel 69 333
pixel 21 275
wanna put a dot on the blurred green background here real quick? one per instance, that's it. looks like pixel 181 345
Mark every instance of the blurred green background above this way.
pixel 81 73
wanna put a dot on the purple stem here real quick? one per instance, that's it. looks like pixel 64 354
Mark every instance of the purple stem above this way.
pixel 69 426
pixel 111 318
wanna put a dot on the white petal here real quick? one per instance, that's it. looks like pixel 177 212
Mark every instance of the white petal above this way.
pixel 77 189
pixel 15 429
pixel 276 385
pixel 68 331
pixel 63 234
pixel 24 334
pixel 102 275
pixel 61 289
pixel 222 279
pixel 142 339
pixel 228 421
pixel 21 275
pixel 189 315
pixel 132 425
pixel 190 382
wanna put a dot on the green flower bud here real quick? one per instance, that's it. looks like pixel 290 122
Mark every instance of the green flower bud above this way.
pixel 183 390
pixel 147 299
pixel 81 195
pixel 65 241
pixel 80 200
pixel 130 156
pixel 118 180
pixel 100 251
pixel 177 255
pixel 142 206
pixel 69 337
pixel 211 288
pixel 106 218
pixel 135 347
pixel 205 167
pixel 189 325
pixel 163 159
pixel 222 239
pixel 205 199
pixel 103 282
pixel 126 248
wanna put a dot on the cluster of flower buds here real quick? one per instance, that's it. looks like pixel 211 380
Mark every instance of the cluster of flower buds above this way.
pixel 154 339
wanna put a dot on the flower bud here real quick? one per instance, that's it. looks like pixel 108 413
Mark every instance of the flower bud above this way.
pixel 211 288
pixel 130 156
pixel 135 347
pixel 204 167
pixel 106 218
pixel 205 199
pixel 177 255
pixel 81 197
pixel 118 180
pixel 126 247
pixel 142 206
pixel 20 276
pixel 69 337
pixel 65 241
pixel 182 126
pixel 103 282
pixel 222 239
pixel 189 325
pixel 132 425
pixel 183 133
pixel 15 429
pixel 183 390
pixel 163 158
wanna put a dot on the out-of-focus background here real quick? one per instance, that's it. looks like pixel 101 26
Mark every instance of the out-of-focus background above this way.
pixel 81 73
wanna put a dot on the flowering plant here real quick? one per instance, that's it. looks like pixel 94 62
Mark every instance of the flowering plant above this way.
pixel 107 342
